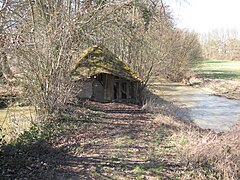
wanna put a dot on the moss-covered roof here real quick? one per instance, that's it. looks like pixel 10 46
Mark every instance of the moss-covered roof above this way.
pixel 98 59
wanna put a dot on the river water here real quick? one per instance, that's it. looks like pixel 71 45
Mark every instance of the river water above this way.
pixel 206 110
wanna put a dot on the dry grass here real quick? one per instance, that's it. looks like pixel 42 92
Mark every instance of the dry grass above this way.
pixel 212 155
pixel 154 104
pixel 206 154
pixel 227 88
pixel 14 121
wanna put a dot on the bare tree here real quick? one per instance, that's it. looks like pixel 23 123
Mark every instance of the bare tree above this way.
pixel 221 44
pixel 48 39
pixel 48 35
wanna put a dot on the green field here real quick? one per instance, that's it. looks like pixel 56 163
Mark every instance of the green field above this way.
pixel 219 69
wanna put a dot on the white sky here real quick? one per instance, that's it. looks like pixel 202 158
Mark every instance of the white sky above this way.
pixel 205 15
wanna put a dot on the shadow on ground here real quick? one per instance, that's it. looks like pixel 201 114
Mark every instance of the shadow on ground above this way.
pixel 41 161
pixel 115 141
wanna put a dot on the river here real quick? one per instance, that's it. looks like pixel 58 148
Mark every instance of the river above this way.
pixel 206 110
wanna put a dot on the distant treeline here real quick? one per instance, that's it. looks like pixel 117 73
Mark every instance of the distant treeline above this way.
pixel 221 44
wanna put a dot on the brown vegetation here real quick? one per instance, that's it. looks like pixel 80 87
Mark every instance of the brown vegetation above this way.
pixel 206 155
pixel 213 154
pixel 226 88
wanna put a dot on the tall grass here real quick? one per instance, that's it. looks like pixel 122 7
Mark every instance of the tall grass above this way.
pixel 213 155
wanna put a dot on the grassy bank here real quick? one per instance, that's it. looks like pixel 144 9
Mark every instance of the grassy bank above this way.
pixel 219 69
pixel 221 76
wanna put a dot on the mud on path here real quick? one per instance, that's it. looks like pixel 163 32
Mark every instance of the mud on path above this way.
pixel 117 141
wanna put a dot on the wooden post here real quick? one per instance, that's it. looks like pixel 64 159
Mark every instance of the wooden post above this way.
pixel 120 90
pixel 127 90
pixel 105 87
pixel 108 87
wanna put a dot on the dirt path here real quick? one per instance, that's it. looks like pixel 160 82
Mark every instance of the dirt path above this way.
pixel 119 142
pixel 124 144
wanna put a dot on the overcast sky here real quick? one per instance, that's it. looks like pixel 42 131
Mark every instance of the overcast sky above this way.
pixel 206 15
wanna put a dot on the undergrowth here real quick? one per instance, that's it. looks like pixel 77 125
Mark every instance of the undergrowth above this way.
pixel 204 153
pixel 212 154
pixel 15 154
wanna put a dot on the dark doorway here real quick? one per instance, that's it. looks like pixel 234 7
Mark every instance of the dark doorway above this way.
pixel 116 90
pixel 124 90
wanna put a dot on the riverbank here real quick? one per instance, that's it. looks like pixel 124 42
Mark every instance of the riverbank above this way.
pixel 199 105
pixel 224 88
pixel 222 77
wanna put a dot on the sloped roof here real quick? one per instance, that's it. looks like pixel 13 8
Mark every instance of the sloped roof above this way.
pixel 98 59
